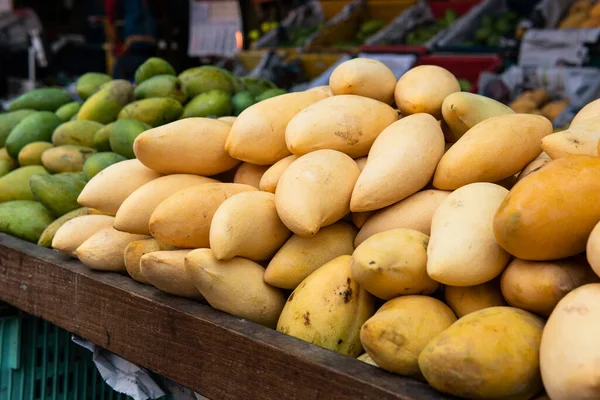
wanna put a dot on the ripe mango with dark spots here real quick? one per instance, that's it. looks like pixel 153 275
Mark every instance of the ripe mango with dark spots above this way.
pixel 154 112
pixel 80 133
pixel 68 158
pixel 104 105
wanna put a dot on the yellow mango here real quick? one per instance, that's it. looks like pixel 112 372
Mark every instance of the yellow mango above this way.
pixel 346 123
pixel 462 249
pixel 398 332
pixel 314 191
pixel 423 90
pixel 538 286
pixel 268 181
pixel 325 89
pixel 579 139
pixel 489 354
pixel 247 225
pixel 328 308
pixel 393 263
pixel 166 271
pixel 558 226
pixel 134 213
pixel 569 351
pixel 590 110
pixel 76 231
pixel 258 134
pixel 228 120
pixel 366 358
pixel 400 163
pixel 592 250
pixel 299 256
pixel 183 219
pixel 364 77
pixel 235 286
pixel 31 154
pixel 467 299
pixel 188 146
pixel 134 252
pixel 492 150
pixel 104 249
pixel 250 174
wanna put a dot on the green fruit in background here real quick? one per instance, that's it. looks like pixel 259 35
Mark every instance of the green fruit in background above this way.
pixel 200 80
pixel 482 34
pixel 212 104
pixel 104 105
pixel 15 184
pixel 45 239
pixel 46 99
pixel 68 111
pixel 68 158
pixel 32 153
pixel 36 127
pixel 79 133
pixel 102 138
pixel 465 85
pixel 24 219
pixel 267 94
pixel 99 161
pixel 153 66
pixel 240 101
pixel 122 134
pixel 4 167
pixel 154 112
pixel 493 41
pixel 89 83
pixel 257 85
pixel 161 86
pixel 57 193
pixel 9 120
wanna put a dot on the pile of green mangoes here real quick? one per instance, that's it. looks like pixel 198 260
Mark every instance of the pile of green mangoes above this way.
pixel 425 32
pixel 492 28
pixel 366 30
pixel 50 145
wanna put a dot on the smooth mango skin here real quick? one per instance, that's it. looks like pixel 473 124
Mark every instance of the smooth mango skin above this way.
pixel 328 308
pixel 299 256
pixel 538 286
pixel 400 163
pixel 589 111
pixel 467 299
pixel 250 174
pixel 79 133
pixel 258 133
pixel 492 150
pixel 559 226
pixel 315 190
pixel 154 111
pixel 346 123
pixel 423 90
pixel 393 263
pixel 489 354
pixel 592 250
pixel 235 286
pixel 24 219
pixel 105 104
pixel 165 270
pixel 414 212
pixel 581 138
pixel 31 154
pixel 463 110
pixel 104 250
pixel 364 77
pixel 77 230
pixel 48 234
pixel 15 184
pixel 569 351
pixel 134 252
pixel 88 83
pixel 397 333
pixel 270 178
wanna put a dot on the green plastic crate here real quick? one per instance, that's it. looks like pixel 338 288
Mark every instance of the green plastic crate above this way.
pixel 38 361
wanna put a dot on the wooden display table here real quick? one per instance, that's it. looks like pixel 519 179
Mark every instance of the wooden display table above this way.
pixel 217 355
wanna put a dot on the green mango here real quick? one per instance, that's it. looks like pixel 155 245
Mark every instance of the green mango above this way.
pixel 4 167
pixel 257 85
pixel 79 175
pixel 68 158
pixel 89 83
pixel 9 120
pixel 6 157
pixel 240 101
pixel 102 138
pixel 104 105
pixel 79 133
pixel 24 219
pixel 161 86
pixel 212 104
pixel 122 135
pixel 68 111
pixel 57 193
pixel 100 161
pixel 200 80
pixel 47 236
pixel 267 94
pixel 153 66
pixel 15 184
pixel 36 127
pixel 154 112
pixel 45 99
pixel 32 153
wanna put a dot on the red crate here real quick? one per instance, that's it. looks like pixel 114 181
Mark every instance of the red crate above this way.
pixel 465 67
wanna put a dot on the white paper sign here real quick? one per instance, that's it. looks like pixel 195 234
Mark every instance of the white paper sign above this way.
pixel 5 5
pixel 215 28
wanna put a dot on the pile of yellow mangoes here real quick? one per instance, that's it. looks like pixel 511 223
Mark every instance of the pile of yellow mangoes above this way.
pixel 582 14
pixel 538 102
pixel 437 230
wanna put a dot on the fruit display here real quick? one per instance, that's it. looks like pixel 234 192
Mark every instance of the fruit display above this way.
pixel 492 28
pixel 432 233
pixel 364 31
pixel 538 102
pixel 422 33
pixel 580 15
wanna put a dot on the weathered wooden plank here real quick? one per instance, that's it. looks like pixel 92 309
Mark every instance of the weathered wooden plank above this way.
pixel 215 354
